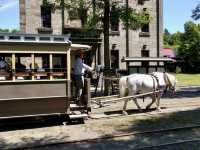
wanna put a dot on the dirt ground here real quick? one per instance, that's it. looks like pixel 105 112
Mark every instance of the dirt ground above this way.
pixel 93 128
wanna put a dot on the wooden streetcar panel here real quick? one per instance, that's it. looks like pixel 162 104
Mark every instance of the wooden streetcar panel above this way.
pixel 38 81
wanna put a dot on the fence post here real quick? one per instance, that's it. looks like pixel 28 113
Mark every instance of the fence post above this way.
pixel 68 95
pixel 87 94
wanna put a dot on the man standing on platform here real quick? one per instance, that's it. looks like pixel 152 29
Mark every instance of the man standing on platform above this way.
pixel 79 71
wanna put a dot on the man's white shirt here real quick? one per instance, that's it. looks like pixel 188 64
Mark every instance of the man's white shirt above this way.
pixel 80 67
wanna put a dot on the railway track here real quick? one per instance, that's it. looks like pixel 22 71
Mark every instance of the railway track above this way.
pixel 177 104
pixel 130 134
pixel 168 144
pixel 172 104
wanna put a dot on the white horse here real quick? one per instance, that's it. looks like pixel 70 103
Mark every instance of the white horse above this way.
pixel 144 83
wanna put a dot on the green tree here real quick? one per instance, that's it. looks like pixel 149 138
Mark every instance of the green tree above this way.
pixel 189 49
pixel 4 31
pixel 9 31
pixel 196 12
pixel 172 41
pixel 167 37
pixel 100 18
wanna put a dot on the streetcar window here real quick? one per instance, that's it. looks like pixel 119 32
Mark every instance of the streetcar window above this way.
pixel 29 38
pixel 59 66
pixel 5 67
pixel 41 67
pixel 22 66
pixel 14 37
pixel 44 38
pixel 59 39
pixel 1 37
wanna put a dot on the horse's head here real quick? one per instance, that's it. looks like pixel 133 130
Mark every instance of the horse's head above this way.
pixel 170 81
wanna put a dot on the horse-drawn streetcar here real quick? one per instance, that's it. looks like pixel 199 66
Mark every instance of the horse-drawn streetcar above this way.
pixel 35 75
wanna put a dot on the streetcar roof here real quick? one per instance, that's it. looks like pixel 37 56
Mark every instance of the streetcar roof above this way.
pixel 78 47
pixel 9 38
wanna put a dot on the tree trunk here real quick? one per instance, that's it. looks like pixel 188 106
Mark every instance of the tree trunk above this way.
pixel 106 34
pixel 127 35
pixel 106 41
pixel 62 3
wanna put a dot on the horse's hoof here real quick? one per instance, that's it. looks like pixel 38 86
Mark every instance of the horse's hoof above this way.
pixel 147 108
pixel 158 110
pixel 124 113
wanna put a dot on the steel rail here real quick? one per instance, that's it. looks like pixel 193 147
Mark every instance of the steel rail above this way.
pixel 168 144
pixel 94 140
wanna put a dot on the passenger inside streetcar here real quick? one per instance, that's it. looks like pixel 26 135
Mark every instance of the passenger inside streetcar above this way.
pixel 3 69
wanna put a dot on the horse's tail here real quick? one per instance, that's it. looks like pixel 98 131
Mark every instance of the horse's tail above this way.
pixel 123 86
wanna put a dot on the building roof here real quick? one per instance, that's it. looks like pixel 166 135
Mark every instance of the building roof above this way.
pixel 167 52
pixel 150 59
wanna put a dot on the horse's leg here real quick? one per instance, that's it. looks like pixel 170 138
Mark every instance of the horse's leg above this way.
pixel 124 107
pixel 158 101
pixel 136 103
pixel 153 97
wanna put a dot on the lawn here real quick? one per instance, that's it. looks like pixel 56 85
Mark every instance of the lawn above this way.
pixel 188 79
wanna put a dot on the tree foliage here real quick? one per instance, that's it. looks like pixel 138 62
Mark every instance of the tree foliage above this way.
pixel 95 14
pixel 9 31
pixel 172 41
pixel 189 49
pixel 82 9
pixel 196 12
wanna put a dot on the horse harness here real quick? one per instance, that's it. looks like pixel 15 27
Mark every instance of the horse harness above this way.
pixel 155 80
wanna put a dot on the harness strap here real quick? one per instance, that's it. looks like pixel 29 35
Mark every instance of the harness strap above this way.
pixel 154 77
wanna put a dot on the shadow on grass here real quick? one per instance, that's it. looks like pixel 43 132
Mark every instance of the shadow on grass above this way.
pixel 184 92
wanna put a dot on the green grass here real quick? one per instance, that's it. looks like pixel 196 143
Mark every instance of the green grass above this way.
pixel 188 79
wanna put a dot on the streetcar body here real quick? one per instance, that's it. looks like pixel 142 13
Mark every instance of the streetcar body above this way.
pixel 37 80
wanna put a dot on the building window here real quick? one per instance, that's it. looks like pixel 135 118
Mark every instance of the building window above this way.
pixel 46 16
pixel 114 19
pixel 144 52
pixel 73 14
pixel 114 57
pixel 141 2
pixel 145 27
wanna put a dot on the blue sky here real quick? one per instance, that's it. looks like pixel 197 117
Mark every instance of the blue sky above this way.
pixel 176 13
pixel 9 14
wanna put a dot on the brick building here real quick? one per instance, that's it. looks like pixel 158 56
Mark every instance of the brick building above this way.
pixel 145 44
